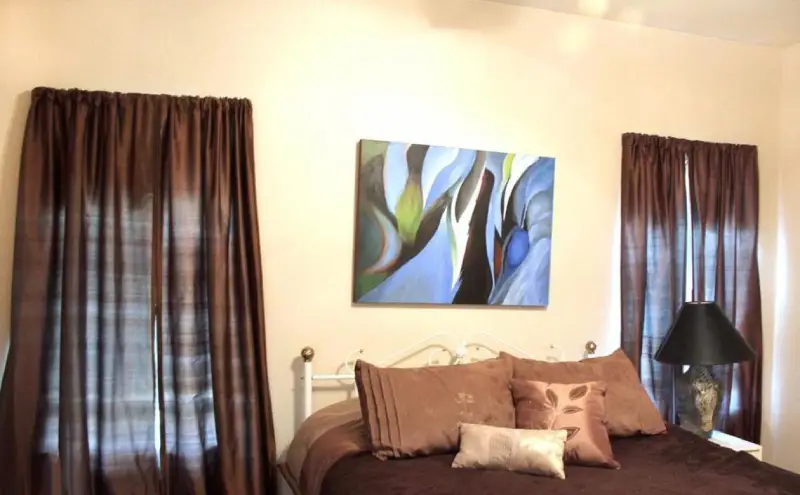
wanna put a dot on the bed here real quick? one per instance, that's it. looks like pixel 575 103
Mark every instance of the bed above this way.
pixel 331 453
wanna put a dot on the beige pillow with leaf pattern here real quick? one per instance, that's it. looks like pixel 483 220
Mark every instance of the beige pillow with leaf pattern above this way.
pixel 539 452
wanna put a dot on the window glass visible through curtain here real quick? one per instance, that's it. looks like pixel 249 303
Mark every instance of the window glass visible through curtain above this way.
pixel 118 381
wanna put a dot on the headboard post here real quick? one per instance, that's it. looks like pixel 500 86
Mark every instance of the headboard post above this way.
pixel 308 379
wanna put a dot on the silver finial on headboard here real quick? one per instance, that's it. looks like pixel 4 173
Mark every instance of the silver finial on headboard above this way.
pixel 307 354
pixel 591 347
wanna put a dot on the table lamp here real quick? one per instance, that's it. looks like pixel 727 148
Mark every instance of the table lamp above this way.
pixel 701 336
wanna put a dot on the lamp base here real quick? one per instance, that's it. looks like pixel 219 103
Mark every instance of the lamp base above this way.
pixel 698 400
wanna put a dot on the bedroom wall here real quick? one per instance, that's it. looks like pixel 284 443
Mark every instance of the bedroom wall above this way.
pixel 323 74
pixel 785 415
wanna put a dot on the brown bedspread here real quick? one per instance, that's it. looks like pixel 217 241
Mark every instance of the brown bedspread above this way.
pixel 330 434
pixel 677 463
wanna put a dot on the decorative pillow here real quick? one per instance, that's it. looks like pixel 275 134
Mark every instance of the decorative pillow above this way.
pixel 577 408
pixel 416 411
pixel 538 452
pixel 629 410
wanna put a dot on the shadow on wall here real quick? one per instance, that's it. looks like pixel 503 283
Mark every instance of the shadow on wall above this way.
pixel 458 14
pixel 613 335
pixel 9 177
pixel 779 433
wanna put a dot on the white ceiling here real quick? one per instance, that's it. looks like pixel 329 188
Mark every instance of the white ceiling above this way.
pixel 766 22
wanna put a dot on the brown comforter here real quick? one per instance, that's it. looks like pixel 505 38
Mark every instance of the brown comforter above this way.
pixel 329 457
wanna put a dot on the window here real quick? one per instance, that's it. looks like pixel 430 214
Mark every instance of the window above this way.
pixel 127 368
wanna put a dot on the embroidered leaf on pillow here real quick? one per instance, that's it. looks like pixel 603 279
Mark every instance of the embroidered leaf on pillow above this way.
pixel 552 397
pixel 571 432
pixel 578 392
pixel 571 410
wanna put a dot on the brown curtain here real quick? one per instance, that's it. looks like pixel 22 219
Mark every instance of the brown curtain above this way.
pixel 137 360
pixel 724 204
pixel 653 248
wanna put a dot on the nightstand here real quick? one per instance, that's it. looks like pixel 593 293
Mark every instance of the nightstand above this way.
pixel 737 444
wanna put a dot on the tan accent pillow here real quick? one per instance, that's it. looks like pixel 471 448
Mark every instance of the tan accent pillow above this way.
pixel 629 410
pixel 416 411
pixel 577 408
pixel 538 452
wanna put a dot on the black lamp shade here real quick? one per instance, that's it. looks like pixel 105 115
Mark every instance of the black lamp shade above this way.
pixel 702 335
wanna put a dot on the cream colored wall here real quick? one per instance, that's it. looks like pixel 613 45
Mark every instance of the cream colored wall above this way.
pixel 323 74
pixel 785 414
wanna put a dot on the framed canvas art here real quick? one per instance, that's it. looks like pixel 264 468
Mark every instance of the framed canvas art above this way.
pixel 443 225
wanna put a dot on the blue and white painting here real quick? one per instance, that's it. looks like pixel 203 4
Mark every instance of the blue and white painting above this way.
pixel 443 225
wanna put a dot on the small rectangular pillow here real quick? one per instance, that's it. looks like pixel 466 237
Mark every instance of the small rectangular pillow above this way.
pixel 577 408
pixel 539 452
pixel 416 411
pixel 629 410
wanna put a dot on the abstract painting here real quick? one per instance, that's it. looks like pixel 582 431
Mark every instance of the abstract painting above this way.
pixel 444 225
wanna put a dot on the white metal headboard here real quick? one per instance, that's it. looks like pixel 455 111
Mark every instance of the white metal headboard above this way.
pixel 458 354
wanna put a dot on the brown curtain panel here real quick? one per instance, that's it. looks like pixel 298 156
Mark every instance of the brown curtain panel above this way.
pixel 723 182
pixel 137 358
pixel 212 321
pixel 653 249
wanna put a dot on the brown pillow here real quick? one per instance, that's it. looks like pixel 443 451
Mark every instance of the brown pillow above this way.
pixel 539 452
pixel 416 411
pixel 629 410
pixel 578 408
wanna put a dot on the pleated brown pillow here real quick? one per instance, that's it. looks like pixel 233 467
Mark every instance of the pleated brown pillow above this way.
pixel 629 410
pixel 416 411
pixel 578 408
